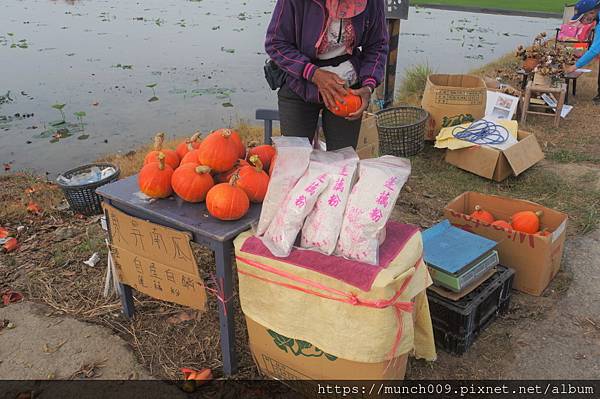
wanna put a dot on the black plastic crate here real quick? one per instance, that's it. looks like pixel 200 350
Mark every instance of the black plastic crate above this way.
pixel 456 324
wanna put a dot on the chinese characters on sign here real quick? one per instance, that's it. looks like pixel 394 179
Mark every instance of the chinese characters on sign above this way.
pixel 155 260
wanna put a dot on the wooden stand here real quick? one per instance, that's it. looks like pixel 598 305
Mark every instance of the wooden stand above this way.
pixel 532 89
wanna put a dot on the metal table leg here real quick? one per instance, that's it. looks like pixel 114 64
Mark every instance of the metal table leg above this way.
pixel 127 301
pixel 226 311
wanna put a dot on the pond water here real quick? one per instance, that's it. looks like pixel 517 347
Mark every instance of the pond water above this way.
pixel 135 68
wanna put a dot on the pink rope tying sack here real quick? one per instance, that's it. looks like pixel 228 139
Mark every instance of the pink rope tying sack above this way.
pixel 337 295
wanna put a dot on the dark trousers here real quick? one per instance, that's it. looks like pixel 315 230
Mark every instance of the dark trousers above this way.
pixel 300 118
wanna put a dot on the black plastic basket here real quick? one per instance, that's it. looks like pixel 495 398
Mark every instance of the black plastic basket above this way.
pixel 401 131
pixel 456 324
pixel 83 198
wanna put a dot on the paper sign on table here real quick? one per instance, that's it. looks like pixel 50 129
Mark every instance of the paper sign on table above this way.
pixel 155 260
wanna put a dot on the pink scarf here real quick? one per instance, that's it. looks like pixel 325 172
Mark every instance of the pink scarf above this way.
pixel 341 9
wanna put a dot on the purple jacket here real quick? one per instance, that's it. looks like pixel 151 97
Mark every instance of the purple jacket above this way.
pixel 295 28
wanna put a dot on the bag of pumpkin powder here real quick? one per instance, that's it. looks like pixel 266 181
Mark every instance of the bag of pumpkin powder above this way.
pixel 370 206
pixel 293 155
pixel 283 231
pixel 322 226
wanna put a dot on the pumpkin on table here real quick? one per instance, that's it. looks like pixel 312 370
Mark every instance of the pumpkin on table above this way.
pixel 219 151
pixel 155 178
pixel 482 215
pixel 265 152
pixel 526 221
pixel 190 157
pixel 226 201
pixel 226 176
pixel 254 180
pixel 190 144
pixel 192 182
pixel 171 157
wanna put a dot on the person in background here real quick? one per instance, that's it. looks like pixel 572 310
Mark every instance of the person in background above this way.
pixel 587 12
pixel 326 48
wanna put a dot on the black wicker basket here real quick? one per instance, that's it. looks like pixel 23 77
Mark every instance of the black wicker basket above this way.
pixel 401 131
pixel 83 198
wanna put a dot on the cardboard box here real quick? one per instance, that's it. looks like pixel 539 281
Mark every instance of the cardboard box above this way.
pixel 536 260
pixel 368 151
pixel 369 134
pixel 283 358
pixel 495 164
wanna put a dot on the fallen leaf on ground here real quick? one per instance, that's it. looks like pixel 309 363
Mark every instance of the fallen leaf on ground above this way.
pixel 30 190
pixel 182 317
pixel 33 208
pixel 89 370
pixel 3 232
pixel 48 349
pixel 10 245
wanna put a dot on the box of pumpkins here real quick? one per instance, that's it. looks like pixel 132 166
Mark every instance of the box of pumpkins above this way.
pixel 218 170
pixel 530 237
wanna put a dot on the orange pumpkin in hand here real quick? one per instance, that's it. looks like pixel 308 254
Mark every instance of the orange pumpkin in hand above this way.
pixel 226 201
pixel 192 182
pixel 155 178
pixel 254 180
pixel 171 157
pixel 352 103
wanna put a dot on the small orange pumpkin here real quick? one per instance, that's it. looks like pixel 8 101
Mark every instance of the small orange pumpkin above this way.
pixel 171 157
pixel 190 144
pixel 190 157
pixel 503 224
pixel 265 152
pixel 526 221
pixel 219 151
pixel 192 182
pixel 226 201
pixel 155 178
pixel 482 215
pixel 226 176
pixel 352 103
pixel 254 180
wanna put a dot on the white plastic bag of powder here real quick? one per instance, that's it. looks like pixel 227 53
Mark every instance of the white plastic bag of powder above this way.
pixel 293 155
pixel 322 226
pixel 282 232
pixel 370 205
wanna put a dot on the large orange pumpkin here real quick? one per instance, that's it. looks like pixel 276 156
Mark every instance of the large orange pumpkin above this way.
pixel 171 157
pixel 482 215
pixel 219 151
pixel 192 182
pixel 526 221
pixel 236 138
pixel 226 176
pixel 190 144
pixel 352 103
pixel 190 157
pixel 226 201
pixel 254 180
pixel 155 178
pixel 265 152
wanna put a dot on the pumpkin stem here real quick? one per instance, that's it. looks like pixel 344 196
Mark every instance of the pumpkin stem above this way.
pixel 255 160
pixel 161 161
pixel 202 169
pixel 158 141
pixel 477 208
pixel 195 137
pixel 253 144
pixel 234 178
pixel 539 214
pixel 226 133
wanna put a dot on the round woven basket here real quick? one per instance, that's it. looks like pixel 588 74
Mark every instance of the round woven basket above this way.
pixel 401 131
pixel 83 198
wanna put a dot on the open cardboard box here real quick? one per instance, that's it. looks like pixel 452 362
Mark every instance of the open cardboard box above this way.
pixel 535 259
pixel 368 138
pixel 281 358
pixel 495 164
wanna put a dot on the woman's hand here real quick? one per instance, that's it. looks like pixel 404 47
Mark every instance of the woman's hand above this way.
pixel 365 96
pixel 331 87
pixel 570 69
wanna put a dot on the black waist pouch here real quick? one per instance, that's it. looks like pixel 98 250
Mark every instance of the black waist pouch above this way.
pixel 274 75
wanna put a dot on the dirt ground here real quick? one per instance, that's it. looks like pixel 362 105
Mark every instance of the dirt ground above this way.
pixel 554 336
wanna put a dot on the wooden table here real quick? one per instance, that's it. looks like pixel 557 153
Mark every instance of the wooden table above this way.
pixel 532 89
pixel 206 230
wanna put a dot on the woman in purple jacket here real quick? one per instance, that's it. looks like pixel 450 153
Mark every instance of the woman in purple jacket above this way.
pixel 325 47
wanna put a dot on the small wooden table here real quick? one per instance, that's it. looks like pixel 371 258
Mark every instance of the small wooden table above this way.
pixel 532 89
pixel 206 230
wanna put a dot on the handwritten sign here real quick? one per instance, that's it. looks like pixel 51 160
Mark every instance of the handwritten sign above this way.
pixel 155 260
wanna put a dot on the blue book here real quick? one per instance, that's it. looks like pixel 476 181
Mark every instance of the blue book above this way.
pixel 452 250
